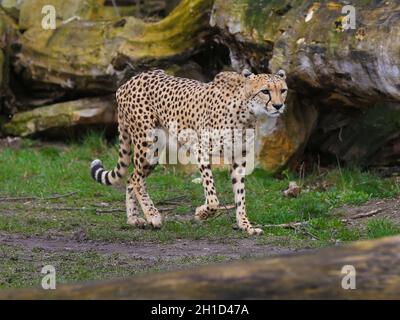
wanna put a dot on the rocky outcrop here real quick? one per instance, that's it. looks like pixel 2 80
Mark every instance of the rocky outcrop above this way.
pixel 344 97
pixel 351 77
pixel 8 34
pixel 88 56
pixel 280 141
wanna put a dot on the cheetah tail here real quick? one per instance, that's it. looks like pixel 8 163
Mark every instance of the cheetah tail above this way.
pixel 113 176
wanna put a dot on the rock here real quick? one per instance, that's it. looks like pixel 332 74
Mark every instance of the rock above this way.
pixel 31 16
pixel 197 180
pixel 1 67
pixel 97 56
pixel 10 142
pixel 293 191
pixel 61 115
pixel 11 7
pixel 278 141
pixel 339 73
pixel 8 35
pixel 370 138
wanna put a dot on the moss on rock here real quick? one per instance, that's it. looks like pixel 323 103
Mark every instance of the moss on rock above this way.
pixel 90 55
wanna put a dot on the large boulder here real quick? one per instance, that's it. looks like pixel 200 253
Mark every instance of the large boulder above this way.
pixel 279 140
pixel 342 73
pixel 90 56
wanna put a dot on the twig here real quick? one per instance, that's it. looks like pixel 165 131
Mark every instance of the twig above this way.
pixel 19 198
pixel 109 210
pixel 166 209
pixel 60 196
pixel 222 207
pixel 37 198
pixel 227 207
pixel 363 215
pixel 295 226
pixel 292 225
pixel 64 22
pixel 366 214
pixel 68 208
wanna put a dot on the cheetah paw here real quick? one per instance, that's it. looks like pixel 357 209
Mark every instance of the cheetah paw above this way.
pixel 254 231
pixel 155 220
pixel 137 222
pixel 202 214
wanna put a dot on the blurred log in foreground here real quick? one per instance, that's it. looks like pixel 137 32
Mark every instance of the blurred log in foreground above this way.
pixel 311 275
pixel 63 115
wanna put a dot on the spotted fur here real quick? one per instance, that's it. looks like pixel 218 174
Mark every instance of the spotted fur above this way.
pixel 154 99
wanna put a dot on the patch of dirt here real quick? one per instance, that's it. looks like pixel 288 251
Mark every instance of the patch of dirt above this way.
pixel 149 251
pixel 358 216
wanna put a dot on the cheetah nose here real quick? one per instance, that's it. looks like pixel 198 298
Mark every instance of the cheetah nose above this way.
pixel 277 106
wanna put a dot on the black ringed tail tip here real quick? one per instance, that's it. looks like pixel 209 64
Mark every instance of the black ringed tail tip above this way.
pixel 95 169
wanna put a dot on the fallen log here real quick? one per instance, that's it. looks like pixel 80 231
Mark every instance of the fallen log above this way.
pixel 62 115
pixel 310 275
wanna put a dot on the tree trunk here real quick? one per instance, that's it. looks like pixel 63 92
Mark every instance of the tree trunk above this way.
pixel 311 275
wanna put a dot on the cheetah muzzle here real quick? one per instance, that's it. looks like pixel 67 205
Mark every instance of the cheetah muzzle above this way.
pixel 153 100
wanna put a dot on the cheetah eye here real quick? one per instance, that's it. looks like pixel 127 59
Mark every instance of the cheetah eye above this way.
pixel 265 91
pixel 283 91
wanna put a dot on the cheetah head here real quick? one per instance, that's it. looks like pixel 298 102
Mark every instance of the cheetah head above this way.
pixel 266 93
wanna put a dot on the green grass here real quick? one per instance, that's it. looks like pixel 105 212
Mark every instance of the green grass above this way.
pixel 22 268
pixel 41 171
pixel 52 170
pixel 377 228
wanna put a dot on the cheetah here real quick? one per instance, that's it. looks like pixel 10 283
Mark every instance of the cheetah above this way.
pixel 154 99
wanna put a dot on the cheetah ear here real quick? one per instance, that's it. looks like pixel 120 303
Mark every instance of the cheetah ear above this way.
pixel 246 73
pixel 282 74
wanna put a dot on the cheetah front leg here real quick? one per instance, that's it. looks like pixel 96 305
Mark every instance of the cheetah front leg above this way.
pixel 151 214
pixel 132 209
pixel 208 209
pixel 237 175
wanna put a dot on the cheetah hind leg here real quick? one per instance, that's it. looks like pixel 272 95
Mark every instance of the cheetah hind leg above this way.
pixel 143 168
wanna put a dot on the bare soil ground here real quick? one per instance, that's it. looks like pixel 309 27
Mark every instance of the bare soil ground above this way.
pixel 151 251
pixel 358 216
pixel 231 248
